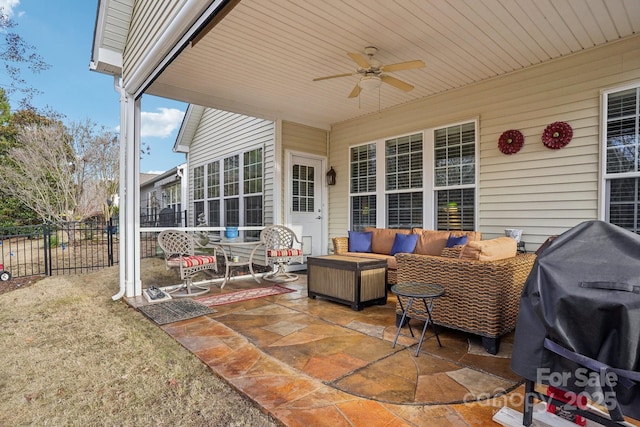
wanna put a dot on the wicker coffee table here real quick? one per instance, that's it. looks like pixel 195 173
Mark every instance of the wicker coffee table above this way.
pixel 355 281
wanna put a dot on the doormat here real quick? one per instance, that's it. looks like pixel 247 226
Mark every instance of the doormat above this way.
pixel 243 295
pixel 174 310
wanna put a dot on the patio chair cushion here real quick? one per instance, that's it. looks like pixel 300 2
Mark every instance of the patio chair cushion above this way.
pixel 191 260
pixel 283 252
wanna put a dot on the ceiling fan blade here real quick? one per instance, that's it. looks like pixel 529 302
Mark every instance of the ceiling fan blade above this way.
pixel 355 92
pixel 360 60
pixel 409 65
pixel 334 76
pixel 396 83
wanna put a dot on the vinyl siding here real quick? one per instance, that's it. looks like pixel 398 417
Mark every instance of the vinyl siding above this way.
pixel 542 191
pixel 221 134
pixel 303 139
pixel 148 22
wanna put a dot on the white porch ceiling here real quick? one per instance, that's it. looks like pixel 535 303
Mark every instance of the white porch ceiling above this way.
pixel 261 58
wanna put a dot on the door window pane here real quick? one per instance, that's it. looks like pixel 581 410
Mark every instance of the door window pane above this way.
pixel 303 188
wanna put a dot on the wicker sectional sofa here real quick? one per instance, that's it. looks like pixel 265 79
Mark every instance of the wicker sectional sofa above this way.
pixel 430 242
pixel 481 297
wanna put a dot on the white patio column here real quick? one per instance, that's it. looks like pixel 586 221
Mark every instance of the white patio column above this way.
pixel 129 196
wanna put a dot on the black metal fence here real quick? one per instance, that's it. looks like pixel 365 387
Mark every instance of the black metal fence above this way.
pixel 74 247
pixel 51 249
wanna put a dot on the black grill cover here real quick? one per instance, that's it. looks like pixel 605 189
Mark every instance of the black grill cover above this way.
pixel 598 323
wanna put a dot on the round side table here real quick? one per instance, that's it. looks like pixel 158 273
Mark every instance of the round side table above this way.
pixel 417 291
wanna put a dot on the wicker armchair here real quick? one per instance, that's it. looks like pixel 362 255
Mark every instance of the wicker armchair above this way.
pixel 179 253
pixel 281 247
pixel 481 297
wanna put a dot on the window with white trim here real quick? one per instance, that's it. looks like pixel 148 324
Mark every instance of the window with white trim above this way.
pixel 198 192
pixel 445 201
pixel 454 171
pixel 362 186
pixel 403 181
pixel 622 158
pixel 233 193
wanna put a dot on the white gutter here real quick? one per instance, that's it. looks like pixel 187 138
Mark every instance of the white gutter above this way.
pixel 121 187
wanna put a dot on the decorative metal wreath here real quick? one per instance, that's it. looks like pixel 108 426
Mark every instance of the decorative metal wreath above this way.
pixel 511 141
pixel 557 135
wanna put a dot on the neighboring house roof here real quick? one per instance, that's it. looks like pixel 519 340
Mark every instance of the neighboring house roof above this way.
pixel 146 178
pixel 261 58
pixel 160 179
pixel 188 128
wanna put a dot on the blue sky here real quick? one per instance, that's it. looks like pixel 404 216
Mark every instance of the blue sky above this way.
pixel 62 33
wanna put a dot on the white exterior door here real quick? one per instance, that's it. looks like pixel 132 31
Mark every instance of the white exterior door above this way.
pixel 306 207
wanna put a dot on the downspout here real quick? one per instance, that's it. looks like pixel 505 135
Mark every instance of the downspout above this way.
pixel 121 185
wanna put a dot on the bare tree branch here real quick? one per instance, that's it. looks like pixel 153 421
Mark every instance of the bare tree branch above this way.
pixel 63 173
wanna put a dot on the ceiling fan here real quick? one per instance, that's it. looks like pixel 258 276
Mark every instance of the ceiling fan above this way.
pixel 372 73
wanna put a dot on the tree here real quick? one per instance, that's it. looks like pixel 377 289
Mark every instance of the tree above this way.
pixel 63 173
pixel 12 211
pixel 18 56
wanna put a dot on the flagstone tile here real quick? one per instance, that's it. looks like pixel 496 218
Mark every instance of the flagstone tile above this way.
pixel 272 391
pixel 214 353
pixel 428 415
pixel 239 362
pixel 321 397
pixel 268 310
pixel 332 366
pixel 328 416
pixel 439 387
pixel 284 327
pixel 375 331
pixel 369 413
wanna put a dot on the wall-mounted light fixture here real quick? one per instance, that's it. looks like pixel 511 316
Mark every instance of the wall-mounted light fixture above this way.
pixel 331 177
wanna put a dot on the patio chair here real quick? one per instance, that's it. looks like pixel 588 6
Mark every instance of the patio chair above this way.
pixel 179 253
pixel 281 247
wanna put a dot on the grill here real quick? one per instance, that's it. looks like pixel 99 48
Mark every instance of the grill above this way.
pixel 578 327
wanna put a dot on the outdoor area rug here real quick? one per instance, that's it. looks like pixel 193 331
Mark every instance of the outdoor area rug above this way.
pixel 174 310
pixel 243 295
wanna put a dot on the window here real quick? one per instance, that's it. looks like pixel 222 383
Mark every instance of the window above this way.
pixel 198 183
pixel 622 158
pixel 363 186
pixel 233 192
pixel 403 181
pixel 454 172
pixel 198 192
pixel 424 182
pixel 213 194
pixel 303 188
pixel 252 184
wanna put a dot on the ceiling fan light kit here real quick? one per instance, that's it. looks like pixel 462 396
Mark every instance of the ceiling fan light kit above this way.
pixel 372 73
pixel 370 82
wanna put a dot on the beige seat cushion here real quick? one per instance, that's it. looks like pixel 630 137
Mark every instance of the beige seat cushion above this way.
pixel 490 250
pixel 430 242
pixel 382 239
